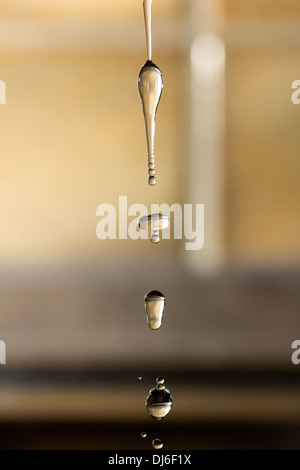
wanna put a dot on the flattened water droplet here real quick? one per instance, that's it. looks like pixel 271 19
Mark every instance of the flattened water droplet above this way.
pixel 159 402
pixel 154 223
pixel 157 444
pixel 143 435
pixel 155 303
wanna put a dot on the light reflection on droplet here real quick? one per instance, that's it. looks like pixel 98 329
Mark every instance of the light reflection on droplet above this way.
pixel 157 444
pixel 159 401
pixel 160 380
pixel 154 223
pixel 155 303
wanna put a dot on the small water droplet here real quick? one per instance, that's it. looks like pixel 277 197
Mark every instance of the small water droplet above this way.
pixel 140 377
pixel 155 237
pixel 155 303
pixel 151 179
pixel 160 380
pixel 157 444
pixel 143 434
pixel 159 401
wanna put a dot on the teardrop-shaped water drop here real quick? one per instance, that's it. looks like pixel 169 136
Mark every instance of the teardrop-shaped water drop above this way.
pixel 150 85
pixel 155 303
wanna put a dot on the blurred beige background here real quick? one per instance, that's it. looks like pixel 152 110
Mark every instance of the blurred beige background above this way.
pixel 72 137
pixel 72 133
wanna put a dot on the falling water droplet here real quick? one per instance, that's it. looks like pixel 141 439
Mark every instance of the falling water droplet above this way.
pixel 157 444
pixel 159 401
pixel 154 222
pixel 143 435
pixel 160 380
pixel 155 237
pixel 155 303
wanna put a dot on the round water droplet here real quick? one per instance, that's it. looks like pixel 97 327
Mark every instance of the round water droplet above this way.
pixel 159 402
pixel 143 435
pixel 155 303
pixel 155 237
pixel 140 377
pixel 160 380
pixel 152 180
pixel 157 444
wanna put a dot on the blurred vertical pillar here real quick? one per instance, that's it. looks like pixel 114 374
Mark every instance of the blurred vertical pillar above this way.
pixel 206 130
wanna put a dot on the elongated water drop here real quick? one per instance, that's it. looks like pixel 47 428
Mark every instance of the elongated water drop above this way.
pixel 159 401
pixel 155 303
pixel 150 85
pixel 157 444
pixel 154 222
